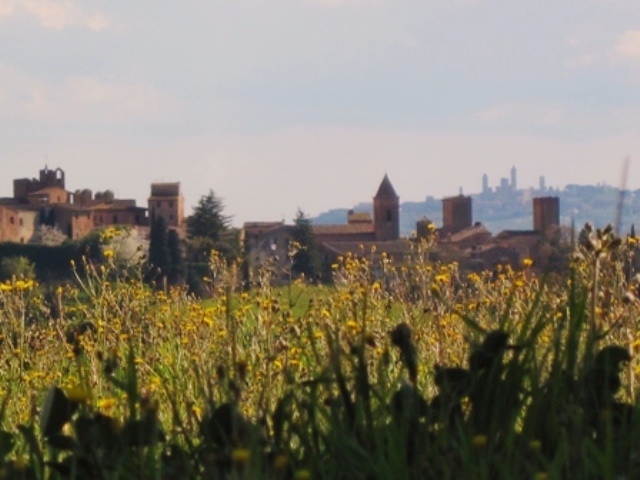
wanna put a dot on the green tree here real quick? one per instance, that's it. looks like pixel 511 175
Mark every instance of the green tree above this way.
pixel 209 229
pixel 176 270
pixel 306 257
pixel 207 220
pixel 158 248
pixel 18 267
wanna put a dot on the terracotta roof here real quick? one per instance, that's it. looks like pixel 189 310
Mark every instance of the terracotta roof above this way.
pixel 468 232
pixel 117 205
pixel 261 225
pixel 386 190
pixel 517 233
pixel 359 217
pixel 71 206
pixel 394 247
pixel 259 228
pixel 349 229
pixel 21 207
pixel 46 190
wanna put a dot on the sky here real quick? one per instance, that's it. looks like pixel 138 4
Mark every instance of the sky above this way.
pixel 280 105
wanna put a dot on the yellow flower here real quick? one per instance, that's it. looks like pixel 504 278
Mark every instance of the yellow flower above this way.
pixel 479 441
pixel 77 394
pixel 302 475
pixel 240 456
pixel 527 262
pixel 107 403
pixel 108 253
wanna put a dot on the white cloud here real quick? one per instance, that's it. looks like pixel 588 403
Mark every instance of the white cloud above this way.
pixel 56 14
pixel 81 100
pixel 628 45
pixel 6 8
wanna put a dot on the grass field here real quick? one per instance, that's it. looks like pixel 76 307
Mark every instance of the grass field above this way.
pixel 394 371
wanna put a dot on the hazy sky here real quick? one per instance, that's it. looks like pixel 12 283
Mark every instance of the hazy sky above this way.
pixel 280 104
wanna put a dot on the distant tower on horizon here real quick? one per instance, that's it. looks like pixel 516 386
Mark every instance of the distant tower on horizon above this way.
pixel 543 184
pixel 386 212
pixel 485 183
pixel 514 178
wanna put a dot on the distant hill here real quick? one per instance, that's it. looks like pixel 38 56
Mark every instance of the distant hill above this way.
pixel 513 209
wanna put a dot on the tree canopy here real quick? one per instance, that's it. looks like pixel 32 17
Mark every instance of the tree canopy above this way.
pixel 207 220
pixel 306 258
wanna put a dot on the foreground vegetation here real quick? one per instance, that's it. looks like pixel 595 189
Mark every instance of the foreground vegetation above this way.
pixel 395 371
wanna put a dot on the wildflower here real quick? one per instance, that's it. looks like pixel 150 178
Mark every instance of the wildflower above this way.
pixel 240 456
pixel 24 285
pixel 479 441
pixel 527 262
pixel 108 254
pixel 302 475
pixel 107 403
pixel 352 324
pixel 77 394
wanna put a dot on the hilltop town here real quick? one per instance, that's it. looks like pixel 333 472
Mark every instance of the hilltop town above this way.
pixel 45 201
pixel 386 225
pixel 507 206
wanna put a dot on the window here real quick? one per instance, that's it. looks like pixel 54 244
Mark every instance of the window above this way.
pixel 21 222
pixel 170 204
pixel 12 220
pixel 389 216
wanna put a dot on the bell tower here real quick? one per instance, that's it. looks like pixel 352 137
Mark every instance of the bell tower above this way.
pixel 386 212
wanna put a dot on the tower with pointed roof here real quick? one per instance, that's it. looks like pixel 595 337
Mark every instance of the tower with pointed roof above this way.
pixel 386 212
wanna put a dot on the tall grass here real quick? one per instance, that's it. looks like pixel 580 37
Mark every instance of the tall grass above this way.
pixel 396 371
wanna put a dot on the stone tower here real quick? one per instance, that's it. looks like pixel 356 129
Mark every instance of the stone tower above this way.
pixel 166 201
pixel 386 212
pixel 457 213
pixel 546 213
